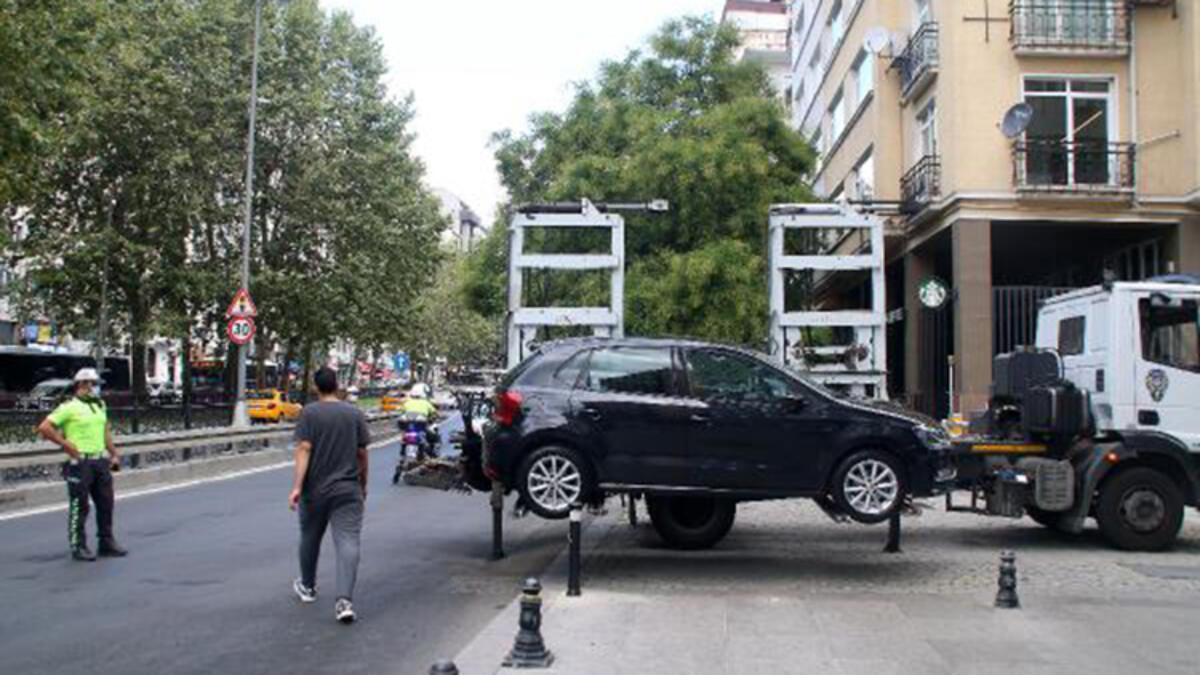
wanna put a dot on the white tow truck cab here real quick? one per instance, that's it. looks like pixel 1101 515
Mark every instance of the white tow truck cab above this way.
pixel 1114 434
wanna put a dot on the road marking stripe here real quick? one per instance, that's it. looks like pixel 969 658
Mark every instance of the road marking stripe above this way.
pixel 178 486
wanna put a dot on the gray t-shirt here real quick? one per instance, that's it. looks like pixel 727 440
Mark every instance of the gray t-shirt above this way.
pixel 336 431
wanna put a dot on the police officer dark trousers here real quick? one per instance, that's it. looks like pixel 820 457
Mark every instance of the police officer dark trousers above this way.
pixel 80 427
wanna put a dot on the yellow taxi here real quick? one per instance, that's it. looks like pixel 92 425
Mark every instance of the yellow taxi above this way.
pixel 271 405
pixel 393 401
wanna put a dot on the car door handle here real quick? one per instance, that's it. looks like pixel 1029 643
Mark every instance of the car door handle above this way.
pixel 701 418
pixel 592 414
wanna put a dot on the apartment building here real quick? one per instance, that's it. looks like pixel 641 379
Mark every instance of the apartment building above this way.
pixel 905 101
pixel 763 28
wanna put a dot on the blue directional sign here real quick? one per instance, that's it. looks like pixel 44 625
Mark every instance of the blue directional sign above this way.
pixel 400 362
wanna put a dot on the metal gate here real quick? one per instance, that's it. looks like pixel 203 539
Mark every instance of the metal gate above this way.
pixel 1014 315
pixel 937 345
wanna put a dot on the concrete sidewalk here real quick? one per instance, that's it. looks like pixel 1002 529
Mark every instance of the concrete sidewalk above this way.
pixel 791 592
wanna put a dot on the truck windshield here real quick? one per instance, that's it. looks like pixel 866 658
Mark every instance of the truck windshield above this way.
pixel 1170 333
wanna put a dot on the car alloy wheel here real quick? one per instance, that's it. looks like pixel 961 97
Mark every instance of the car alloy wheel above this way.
pixel 871 487
pixel 555 483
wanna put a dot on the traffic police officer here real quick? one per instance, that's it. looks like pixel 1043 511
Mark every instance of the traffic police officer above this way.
pixel 80 426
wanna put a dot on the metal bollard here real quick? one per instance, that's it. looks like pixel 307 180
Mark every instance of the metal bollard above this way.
pixel 633 510
pixel 893 538
pixel 497 520
pixel 574 532
pixel 529 650
pixel 1006 597
pixel 443 667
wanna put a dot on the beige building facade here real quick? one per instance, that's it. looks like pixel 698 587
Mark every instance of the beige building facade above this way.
pixel 906 100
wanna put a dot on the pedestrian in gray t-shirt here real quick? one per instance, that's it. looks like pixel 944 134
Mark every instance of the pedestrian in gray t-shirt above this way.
pixel 330 487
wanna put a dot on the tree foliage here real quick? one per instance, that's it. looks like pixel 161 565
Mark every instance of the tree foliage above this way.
pixel 143 193
pixel 686 121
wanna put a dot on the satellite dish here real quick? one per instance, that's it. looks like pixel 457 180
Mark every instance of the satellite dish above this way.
pixel 1016 120
pixel 876 40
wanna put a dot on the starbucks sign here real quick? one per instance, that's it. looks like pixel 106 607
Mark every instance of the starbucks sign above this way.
pixel 933 293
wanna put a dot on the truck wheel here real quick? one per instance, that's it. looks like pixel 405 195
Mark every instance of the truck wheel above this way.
pixel 691 523
pixel 1140 509
pixel 1048 519
pixel 552 478
pixel 869 486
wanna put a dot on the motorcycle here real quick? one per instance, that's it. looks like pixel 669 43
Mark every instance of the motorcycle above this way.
pixel 417 440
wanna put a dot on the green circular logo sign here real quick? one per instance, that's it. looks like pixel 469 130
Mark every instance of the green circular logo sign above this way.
pixel 933 293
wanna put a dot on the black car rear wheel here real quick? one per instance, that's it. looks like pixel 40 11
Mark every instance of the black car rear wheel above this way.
pixel 1140 509
pixel 552 478
pixel 691 522
pixel 869 486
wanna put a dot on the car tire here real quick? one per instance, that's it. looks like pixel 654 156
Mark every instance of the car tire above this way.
pixel 1047 519
pixel 553 477
pixel 1140 509
pixel 869 486
pixel 691 523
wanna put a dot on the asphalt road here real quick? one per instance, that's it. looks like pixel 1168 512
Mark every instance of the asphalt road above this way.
pixel 207 586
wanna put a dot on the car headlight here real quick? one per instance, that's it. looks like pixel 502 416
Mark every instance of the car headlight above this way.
pixel 933 437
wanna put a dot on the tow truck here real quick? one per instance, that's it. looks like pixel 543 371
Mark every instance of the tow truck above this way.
pixel 1100 418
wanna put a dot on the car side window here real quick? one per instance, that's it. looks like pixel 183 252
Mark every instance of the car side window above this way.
pixel 630 370
pixel 721 375
pixel 567 374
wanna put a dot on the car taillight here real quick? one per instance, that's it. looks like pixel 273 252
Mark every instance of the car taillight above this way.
pixel 508 405
pixel 270 406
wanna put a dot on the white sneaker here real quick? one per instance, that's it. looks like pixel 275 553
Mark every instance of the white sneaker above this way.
pixel 344 610
pixel 303 592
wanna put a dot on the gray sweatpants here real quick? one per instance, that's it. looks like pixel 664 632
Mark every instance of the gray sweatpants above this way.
pixel 344 512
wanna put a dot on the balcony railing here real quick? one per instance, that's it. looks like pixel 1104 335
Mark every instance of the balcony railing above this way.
pixel 918 63
pixel 921 185
pixel 1081 166
pixel 1070 26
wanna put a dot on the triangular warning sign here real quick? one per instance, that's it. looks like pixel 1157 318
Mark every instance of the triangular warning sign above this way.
pixel 242 305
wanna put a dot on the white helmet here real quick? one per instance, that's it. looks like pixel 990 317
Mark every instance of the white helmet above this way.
pixel 419 390
pixel 87 375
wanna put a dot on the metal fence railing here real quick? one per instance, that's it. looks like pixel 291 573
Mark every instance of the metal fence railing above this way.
pixel 1057 165
pixel 921 184
pixel 1075 25
pixel 919 60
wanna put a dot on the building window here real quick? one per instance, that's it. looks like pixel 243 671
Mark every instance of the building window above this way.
pixel 864 75
pixel 864 177
pixel 837 24
pixel 800 21
pixel 927 130
pixel 837 116
pixel 1067 143
pixel 922 13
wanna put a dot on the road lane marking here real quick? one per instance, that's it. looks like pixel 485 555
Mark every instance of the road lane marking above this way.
pixel 179 486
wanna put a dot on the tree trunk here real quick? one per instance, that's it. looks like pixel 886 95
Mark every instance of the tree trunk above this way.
pixel 185 346
pixel 286 375
pixel 306 385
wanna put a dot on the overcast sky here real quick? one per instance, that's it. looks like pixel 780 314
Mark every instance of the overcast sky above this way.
pixel 479 66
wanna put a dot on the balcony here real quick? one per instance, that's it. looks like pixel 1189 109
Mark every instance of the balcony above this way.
pixel 918 63
pixel 1070 27
pixel 921 185
pixel 1073 167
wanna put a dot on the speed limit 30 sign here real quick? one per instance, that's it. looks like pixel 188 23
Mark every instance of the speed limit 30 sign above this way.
pixel 240 330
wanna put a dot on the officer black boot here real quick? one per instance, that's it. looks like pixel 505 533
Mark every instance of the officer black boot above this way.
pixel 111 549
pixel 83 553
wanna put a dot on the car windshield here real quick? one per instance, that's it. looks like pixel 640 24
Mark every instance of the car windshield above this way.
pixel 48 388
pixel 260 394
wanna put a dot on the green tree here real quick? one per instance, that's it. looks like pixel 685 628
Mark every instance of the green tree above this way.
pixel 684 121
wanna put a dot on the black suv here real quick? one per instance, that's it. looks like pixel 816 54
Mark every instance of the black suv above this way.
pixel 697 427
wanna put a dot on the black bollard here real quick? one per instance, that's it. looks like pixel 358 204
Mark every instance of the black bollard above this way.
pixel 574 532
pixel 443 667
pixel 497 520
pixel 633 510
pixel 1006 597
pixel 529 650
pixel 893 538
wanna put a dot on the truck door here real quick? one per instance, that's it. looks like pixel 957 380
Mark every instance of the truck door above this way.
pixel 1167 371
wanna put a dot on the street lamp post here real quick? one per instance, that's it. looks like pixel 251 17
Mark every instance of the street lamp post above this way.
pixel 241 417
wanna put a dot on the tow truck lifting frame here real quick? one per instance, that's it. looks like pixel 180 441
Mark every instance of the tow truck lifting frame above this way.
pixel 524 322
pixel 861 367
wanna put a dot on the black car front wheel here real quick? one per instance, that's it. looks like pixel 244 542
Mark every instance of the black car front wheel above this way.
pixel 869 486
pixel 552 478
pixel 691 522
